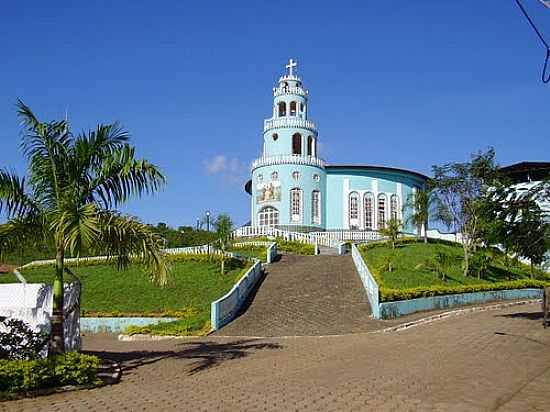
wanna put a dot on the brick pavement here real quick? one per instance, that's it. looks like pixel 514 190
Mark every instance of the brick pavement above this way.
pixel 306 295
pixel 484 361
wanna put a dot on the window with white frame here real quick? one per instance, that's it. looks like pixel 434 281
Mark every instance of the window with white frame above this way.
pixel 368 210
pixel 296 205
pixel 394 207
pixel 268 216
pixel 381 211
pixel 353 210
pixel 316 207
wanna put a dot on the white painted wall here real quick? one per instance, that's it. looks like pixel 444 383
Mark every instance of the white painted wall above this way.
pixel 33 303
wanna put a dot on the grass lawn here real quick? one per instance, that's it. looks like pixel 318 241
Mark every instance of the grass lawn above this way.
pixel 413 267
pixel 192 287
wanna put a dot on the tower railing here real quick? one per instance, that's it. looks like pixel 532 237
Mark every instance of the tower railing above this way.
pixel 288 159
pixel 279 91
pixel 289 122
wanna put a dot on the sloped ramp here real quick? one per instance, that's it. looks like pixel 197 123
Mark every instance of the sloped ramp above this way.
pixel 305 295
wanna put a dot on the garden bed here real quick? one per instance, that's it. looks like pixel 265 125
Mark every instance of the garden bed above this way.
pixel 414 274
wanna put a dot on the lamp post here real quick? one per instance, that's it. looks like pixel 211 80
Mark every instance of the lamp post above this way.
pixel 208 229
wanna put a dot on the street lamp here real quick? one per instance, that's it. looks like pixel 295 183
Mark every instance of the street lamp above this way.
pixel 208 229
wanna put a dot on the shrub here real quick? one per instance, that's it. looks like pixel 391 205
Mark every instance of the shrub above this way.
pixel 295 247
pixel 182 327
pixel 27 375
pixel 19 341
pixel 389 295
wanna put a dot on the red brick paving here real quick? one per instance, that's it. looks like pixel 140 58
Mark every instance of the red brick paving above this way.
pixel 485 361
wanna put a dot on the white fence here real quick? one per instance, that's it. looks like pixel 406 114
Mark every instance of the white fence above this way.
pixel 329 239
pixel 225 309
pixel 33 303
pixel 369 283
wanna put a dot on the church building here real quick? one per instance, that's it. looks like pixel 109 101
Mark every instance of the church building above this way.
pixel 292 188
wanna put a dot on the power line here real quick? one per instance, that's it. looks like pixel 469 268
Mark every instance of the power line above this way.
pixel 545 76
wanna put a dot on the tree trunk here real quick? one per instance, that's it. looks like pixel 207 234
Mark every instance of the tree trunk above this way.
pixel 425 228
pixel 57 339
pixel 466 259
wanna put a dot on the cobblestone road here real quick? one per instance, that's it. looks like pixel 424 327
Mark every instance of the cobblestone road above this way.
pixel 484 361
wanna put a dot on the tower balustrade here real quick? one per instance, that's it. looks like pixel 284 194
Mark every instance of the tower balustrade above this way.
pixel 289 122
pixel 288 159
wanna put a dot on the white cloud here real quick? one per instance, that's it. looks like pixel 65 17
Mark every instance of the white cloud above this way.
pixel 216 165
pixel 232 170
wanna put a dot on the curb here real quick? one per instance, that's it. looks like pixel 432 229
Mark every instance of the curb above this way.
pixel 397 328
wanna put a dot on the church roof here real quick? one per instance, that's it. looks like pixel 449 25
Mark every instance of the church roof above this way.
pixel 380 168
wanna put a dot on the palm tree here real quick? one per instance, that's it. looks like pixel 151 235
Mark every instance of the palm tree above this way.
pixel 392 230
pixel 224 228
pixel 420 203
pixel 67 199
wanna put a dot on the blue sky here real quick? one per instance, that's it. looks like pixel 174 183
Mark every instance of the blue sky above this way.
pixel 396 83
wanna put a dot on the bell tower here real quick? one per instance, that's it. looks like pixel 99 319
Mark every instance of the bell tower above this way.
pixel 288 131
pixel 289 179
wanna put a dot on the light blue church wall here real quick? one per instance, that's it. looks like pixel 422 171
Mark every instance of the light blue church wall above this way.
pixel 342 181
pixel 286 182
pixel 283 144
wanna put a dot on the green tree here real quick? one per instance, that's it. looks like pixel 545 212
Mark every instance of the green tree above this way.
pixel 224 230
pixel 513 219
pixel 460 188
pixel 73 184
pixel 392 230
pixel 442 262
pixel 422 204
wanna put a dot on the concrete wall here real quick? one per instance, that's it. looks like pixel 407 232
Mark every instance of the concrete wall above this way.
pixel 225 309
pixel 117 325
pixel 390 310
pixel 32 303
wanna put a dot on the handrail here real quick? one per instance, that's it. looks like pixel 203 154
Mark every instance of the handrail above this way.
pixel 289 122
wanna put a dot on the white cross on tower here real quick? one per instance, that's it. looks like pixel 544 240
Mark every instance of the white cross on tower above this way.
pixel 291 65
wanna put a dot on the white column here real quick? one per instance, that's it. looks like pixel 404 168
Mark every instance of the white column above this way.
pixel 400 201
pixel 345 195
pixel 375 204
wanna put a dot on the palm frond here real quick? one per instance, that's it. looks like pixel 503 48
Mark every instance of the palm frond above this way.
pixel 22 231
pixel 13 198
pixel 124 238
pixel 122 176
pixel 78 227
pixel 47 147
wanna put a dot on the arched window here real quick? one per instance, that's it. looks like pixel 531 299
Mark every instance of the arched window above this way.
pixel 293 108
pixel 394 207
pixel 297 144
pixel 353 210
pixel 296 205
pixel 282 109
pixel 368 210
pixel 381 211
pixel 268 216
pixel 316 207
pixel 310 146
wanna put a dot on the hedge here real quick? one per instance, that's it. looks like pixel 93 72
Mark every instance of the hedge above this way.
pixel 28 375
pixel 390 295
pixel 298 248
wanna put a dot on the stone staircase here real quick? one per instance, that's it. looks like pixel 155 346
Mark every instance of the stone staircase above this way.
pixel 305 295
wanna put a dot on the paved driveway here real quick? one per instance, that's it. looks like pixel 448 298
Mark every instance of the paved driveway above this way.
pixel 485 361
